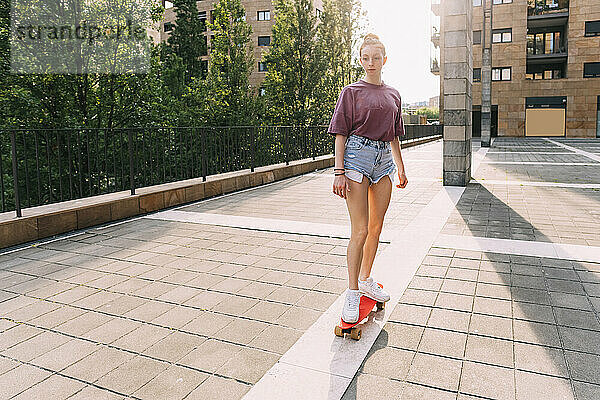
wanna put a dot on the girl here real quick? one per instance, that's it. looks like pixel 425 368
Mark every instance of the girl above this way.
pixel 368 114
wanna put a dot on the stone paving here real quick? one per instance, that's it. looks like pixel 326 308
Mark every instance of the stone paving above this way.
pixel 485 325
pixel 164 309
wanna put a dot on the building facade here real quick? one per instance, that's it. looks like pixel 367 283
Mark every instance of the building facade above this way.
pixel 260 16
pixel 545 66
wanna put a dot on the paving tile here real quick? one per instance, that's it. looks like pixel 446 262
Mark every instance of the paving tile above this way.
pixel 366 386
pixel 487 381
pixel 452 301
pixel 417 392
pixel 576 318
pixel 580 339
pixel 536 333
pixel 535 386
pixel 111 330
pixel 545 360
pixel 207 324
pixel 387 362
pixel 493 326
pixel 449 319
pixel 410 314
pixel 54 387
pixel 439 372
pixel 132 375
pixel 19 379
pixel 458 286
pixel 241 330
pixel 584 367
pixel 443 343
pixel 174 383
pixel 97 364
pixel 211 355
pixel 418 297
pixel 489 350
pixel 402 335
pixel 17 334
pixel 218 388
pixel 277 339
pixel 533 312
pixel 586 391
pixel 497 307
pixel 35 346
pixel 248 365
pixel 177 317
pixel 141 338
pixel 568 300
pixel 298 317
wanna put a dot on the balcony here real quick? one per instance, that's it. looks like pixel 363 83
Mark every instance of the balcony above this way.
pixel 435 7
pixel 547 9
pixel 435 36
pixel 434 66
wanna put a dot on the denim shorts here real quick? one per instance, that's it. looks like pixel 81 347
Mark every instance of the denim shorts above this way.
pixel 371 158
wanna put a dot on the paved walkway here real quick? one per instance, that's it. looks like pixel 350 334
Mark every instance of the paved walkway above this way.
pixel 495 292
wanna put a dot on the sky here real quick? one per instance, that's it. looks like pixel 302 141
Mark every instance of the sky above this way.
pixel 403 27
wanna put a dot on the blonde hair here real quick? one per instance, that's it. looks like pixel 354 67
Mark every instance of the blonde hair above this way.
pixel 372 39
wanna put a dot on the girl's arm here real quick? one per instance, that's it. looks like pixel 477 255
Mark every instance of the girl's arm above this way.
pixel 396 153
pixel 340 147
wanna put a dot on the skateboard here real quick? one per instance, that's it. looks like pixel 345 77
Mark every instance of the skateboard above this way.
pixel 365 307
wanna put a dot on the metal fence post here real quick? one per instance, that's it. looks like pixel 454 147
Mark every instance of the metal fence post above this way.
pixel 252 146
pixel 13 143
pixel 131 169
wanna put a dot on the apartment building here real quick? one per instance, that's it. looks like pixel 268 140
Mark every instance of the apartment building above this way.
pixel 260 16
pixel 545 66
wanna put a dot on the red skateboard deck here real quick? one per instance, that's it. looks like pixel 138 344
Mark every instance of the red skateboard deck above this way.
pixel 365 307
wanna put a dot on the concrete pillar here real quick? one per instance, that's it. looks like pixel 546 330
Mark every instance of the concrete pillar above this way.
pixel 486 75
pixel 457 76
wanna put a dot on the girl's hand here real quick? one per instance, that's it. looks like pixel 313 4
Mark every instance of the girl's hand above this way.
pixel 341 186
pixel 402 179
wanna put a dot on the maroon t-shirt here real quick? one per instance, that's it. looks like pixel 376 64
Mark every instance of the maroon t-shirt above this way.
pixel 365 109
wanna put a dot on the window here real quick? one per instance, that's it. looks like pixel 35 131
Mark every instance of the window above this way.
pixel 318 12
pixel 502 1
pixel 501 74
pixel 476 37
pixel 544 43
pixel 592 28
pixel 212 16
pixel 476 74
pixel 476 3
pixel 263 15
pixel 202 17
pixel 264 40
pixel 591 70
pixel 205 49
pixel 502 35
pixel 262 66
pixel 536 71
pixel 168 26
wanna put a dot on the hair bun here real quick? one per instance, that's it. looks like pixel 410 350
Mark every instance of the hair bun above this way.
pixel 371 37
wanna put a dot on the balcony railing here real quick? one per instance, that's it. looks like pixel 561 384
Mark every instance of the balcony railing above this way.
pixel 434 66
pixel 542 7
pixel 45 166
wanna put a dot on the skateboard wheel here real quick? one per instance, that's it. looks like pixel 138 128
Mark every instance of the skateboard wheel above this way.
pixel 355 333
pixel 380 305
pixel 338 331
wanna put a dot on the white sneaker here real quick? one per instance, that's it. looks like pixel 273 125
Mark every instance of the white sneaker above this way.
pixel 372 290
pixel 350 311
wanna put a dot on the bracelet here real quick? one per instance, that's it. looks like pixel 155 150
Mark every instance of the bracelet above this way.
pixel 341 173
pixel 339 169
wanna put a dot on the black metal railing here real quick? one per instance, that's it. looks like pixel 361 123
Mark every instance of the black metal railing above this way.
pixel 541 7
pixel 44 166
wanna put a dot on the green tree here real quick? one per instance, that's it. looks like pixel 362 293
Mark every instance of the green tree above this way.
pixel 339 34
pixel 231 98
pixel 187 39
pixel 295 65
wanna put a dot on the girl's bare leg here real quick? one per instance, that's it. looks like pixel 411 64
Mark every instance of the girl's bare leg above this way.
pixel 378 200
pixel 358 208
